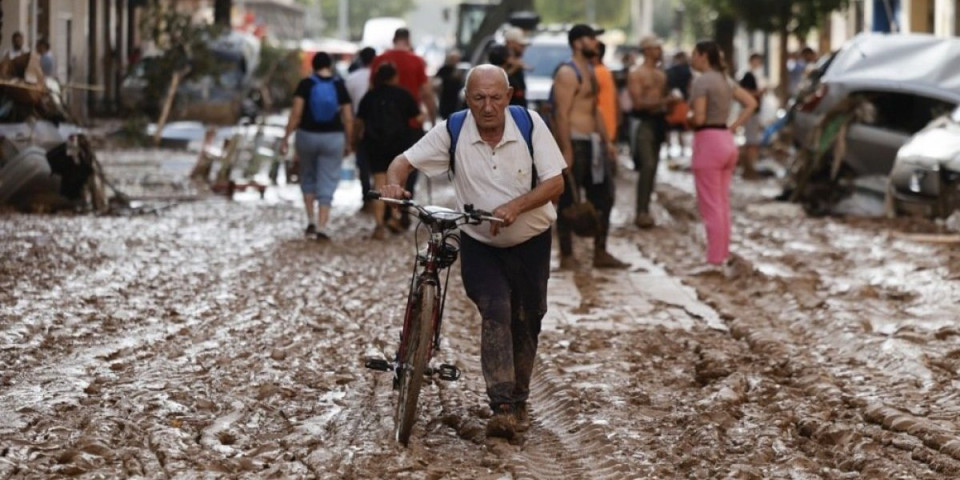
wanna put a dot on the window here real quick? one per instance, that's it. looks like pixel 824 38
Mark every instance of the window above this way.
pixel 905 112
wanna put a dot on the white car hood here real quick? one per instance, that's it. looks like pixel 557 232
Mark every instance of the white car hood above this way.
pixel 936 146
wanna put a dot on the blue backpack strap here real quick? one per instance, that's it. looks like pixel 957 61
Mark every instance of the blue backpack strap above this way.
pixel 454 125
pixel 576 70
pixel 521 116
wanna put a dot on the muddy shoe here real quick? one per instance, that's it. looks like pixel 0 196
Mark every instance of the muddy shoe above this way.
pixel 503 423
pixel 644 220
pixel 522 415
pixel 395 225
pixel 568 262
pixel 311 230
pixel 602 259
pixel 379 233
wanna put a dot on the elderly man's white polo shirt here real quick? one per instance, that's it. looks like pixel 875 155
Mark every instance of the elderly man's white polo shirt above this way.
pixel 489 176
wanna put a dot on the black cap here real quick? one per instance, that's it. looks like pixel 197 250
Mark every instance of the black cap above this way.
pixel 582 30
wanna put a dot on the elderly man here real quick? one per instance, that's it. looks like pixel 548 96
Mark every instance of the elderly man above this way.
pixel 504 266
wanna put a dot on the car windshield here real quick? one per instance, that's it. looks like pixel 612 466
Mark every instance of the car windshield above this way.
pixel 544 58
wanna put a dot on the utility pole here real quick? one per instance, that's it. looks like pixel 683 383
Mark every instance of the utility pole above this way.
pixel 221 12
pixel 343 19
pixel 641 19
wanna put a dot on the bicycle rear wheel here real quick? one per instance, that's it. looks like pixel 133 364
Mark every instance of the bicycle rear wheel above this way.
pixel 416 352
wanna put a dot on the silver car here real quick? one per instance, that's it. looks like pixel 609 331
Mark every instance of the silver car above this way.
pixel 926 175
pixel 909 79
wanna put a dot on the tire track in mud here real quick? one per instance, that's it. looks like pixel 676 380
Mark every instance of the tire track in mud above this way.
pixel 841 416
pixel 564 444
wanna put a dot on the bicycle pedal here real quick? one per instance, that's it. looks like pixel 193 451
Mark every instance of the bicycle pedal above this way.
pixel 377 364
pixel 448 372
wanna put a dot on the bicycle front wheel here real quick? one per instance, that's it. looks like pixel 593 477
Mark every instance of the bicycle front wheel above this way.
pixel 416 354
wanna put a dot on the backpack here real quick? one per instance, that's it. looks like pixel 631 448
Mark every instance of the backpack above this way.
pixel 387 125
pixel 546 110
pixel 521 116
pixel 324 104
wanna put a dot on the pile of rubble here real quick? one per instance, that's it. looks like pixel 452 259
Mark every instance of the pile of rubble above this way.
pixel 46 162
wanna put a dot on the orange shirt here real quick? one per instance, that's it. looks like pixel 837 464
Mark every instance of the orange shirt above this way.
pixel 607 99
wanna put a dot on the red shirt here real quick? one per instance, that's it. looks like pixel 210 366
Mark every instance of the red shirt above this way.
pixel 411 70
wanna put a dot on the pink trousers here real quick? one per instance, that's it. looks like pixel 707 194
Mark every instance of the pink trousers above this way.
pixel 714 158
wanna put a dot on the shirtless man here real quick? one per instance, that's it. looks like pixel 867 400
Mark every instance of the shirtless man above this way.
pixel 580 133
pixel 647 85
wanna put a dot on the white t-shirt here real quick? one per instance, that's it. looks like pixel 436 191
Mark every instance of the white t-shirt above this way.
pixel 489 177
pixel 357 83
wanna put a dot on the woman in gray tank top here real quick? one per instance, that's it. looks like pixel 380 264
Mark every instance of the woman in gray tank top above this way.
pixel 714 151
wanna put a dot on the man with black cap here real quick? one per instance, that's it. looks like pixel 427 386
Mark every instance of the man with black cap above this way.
pixel 579 129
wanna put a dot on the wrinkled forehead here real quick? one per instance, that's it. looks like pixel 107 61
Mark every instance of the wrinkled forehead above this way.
pixel 487 80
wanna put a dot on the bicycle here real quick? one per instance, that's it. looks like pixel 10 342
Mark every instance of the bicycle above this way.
pixel 420 336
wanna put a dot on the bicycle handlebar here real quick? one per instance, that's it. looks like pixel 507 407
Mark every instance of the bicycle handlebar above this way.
pixel 472 215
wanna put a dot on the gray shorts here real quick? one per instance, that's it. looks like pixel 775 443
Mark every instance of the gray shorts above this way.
pixel 321 157
pixel 753 131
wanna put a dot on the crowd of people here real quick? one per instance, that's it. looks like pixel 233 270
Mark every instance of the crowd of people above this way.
pixel 555 180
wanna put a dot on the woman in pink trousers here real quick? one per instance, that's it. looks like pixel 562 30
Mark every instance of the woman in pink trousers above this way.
pixel 714 151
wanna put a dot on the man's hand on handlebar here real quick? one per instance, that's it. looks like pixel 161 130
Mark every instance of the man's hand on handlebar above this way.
pixel 394 191
pixel 507 213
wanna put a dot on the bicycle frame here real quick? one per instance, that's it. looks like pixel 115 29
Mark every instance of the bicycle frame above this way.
pixel 420 335
pixel 439 255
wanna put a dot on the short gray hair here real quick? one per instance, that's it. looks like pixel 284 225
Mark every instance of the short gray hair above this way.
pixel 485 66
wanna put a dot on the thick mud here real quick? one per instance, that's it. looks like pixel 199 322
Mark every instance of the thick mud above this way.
pixel 211 339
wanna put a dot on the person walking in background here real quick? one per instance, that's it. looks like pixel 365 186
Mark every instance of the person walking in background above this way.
pixel 498 56
pixel 47 64
pixel 322 116
pixel 411 71
pixel 679 77
pixel 516 42
pixel 357 83
pixel 585 145
pixel 505 267
pixel 451 83
pixel 648 92
pixel 412 76
pixel 714 151
pixel 755 83
pixel 606 94
pixel 383 119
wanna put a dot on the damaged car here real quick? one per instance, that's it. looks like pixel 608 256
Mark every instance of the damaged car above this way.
pixel 908 79
pixel 874 95
pixel 926 174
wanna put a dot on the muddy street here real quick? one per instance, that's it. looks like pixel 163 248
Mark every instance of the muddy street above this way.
pixel 212 339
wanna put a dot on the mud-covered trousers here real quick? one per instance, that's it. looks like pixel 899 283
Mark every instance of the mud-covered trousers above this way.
pixel 509 287
pixel 599 193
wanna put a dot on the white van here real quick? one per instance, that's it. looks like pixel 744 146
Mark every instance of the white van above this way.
pixel 378 32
